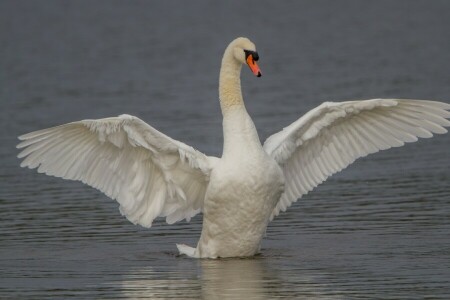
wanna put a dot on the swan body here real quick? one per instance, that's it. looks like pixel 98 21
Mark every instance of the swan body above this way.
pixel 152 175
pixel 244 188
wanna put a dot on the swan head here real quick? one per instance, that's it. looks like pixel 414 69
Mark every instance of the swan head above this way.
pixel 244 51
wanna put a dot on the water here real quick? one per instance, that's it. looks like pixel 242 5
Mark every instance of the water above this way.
pixel 379 229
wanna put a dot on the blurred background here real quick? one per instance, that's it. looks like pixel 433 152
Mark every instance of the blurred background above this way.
pixel 379 229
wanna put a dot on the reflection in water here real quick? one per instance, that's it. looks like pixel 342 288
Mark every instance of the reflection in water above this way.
pixel 208 279
pixel 150 284
pixel 236 279
pixel 249 278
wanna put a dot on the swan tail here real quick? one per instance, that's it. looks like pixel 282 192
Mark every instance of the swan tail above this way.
pixel 186 250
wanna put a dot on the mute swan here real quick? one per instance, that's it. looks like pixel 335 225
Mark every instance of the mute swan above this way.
pixel 152 175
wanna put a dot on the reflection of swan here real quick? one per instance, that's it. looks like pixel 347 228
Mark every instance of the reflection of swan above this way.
pixel 145 283
pixel 236 279
pixel 230 278
pixel 152 175
pixel 216 279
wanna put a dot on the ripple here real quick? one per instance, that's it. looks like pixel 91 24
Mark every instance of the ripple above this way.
pixel 377 230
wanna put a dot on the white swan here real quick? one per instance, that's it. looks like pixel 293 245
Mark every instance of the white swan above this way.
pixel 152 175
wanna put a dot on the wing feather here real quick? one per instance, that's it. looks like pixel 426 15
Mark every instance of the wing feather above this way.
pixel 333 135
pixel 147 172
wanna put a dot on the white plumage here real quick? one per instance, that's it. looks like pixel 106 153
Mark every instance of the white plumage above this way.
pixel 152 175
pixel 333 135
pixel 148 173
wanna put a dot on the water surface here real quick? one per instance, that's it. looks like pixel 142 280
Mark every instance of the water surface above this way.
pixel 379 229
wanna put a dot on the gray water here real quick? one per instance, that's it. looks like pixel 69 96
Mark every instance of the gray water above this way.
pixel 379 229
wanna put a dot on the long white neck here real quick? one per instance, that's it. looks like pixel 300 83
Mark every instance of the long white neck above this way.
pixel 230 94
pixel 240 135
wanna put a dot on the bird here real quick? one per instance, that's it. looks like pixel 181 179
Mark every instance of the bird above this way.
pixel 152 175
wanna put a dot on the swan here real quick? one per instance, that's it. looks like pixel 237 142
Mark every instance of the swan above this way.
pixel 152 175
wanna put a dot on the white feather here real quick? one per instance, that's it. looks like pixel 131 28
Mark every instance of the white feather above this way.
pixel 126 159
pixel 333 135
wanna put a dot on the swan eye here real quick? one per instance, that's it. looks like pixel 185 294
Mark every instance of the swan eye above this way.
pixel 254 54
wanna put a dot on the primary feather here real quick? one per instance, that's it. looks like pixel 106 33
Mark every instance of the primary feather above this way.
pixel 148 173
pixel 333 135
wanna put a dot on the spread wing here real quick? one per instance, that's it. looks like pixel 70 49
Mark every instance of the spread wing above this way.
pixel 333 135
pixel 147 172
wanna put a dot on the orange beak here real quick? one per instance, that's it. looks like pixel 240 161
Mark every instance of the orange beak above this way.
pixel 253 66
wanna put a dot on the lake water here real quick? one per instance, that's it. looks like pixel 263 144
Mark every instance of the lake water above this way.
pixel 379 229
